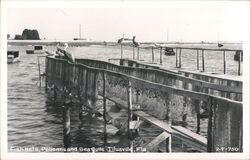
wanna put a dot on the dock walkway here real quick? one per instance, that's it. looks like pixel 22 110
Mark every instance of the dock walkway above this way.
pixel 164 97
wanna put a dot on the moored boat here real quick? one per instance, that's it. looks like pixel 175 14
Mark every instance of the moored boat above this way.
pixel 238 56
pixel 169 51
pixel 12 56
pixel 38 49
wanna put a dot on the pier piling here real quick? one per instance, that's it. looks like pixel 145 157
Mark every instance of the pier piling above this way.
pixel 203 61
pixel 133 52
pixel 224 61
pixel 66 126
pixel 130 114
pixel 176 58
pixel 138 53
pixel 161 56
pixel 153 56
pixel 104 105
pixel 168 144
pixel 198 57
pixel 39 71
pixel 180 59
pixel 239 61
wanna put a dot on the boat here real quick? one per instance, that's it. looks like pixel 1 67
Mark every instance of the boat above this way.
pixel 37 50
pixel 169 51
pixel 237 55
pixel 12 56
pixel 29 51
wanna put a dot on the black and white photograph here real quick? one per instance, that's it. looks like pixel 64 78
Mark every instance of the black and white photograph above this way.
pixel 145 79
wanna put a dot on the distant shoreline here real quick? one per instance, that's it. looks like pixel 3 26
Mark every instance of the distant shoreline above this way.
pixel 87 43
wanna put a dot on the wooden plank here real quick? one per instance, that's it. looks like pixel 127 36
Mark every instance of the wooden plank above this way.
pixel 191 134
pixel 194 81
pixel 135 124
pixel 190 142
pixel 185 135
pixel 237 79
pixel 156 141
pixel 153 85
pixel 144 116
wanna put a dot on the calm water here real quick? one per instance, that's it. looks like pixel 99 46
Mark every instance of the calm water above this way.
pixel 33 121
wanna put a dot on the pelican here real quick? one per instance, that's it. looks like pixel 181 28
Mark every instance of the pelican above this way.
pixel 120 40
pixel 68 55
pixel 135 43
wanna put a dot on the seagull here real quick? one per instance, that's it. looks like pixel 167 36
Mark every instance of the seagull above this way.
pixel 220 45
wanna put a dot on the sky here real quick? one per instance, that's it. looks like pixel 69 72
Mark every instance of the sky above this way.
pixel 147 24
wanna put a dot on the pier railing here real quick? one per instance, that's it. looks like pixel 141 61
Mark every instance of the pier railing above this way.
pixel 170 78
pixel 152 100
pixel 200 55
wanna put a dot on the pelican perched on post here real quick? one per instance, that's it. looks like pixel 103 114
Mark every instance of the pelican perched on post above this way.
pixel 68 55
pixel 136 44
pixel 120 40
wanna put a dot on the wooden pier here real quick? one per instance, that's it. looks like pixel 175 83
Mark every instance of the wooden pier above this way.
pixel 201 55
pixel 160 97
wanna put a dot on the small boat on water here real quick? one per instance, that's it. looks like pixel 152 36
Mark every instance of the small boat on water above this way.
pixel 37 50
pixel 12 56
pixel 237 56
pixel 169 51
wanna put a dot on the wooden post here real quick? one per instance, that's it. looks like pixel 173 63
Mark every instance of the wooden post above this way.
pixel 46 71
pixel 130 115
pixel 133 52
pixel 153 57
pixel 66 126
pixel 239 63
pixel 54 94
pixel 176 58
pixel 121 51
pixel 180 59
pixel 39 71
pixel 210 135
pixel 198 119
pixel 129 94
pixel 138 53
pixel 198 57
pixel 168 144
pixel 203 62
pixel 224 60
pixel 161 56
pixel 104 106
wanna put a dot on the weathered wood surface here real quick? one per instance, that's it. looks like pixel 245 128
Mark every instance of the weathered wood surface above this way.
pixel 225 132
pixel 82 79
pixel 177 131
pixel 226 87
pixel 156 75
pixel 156 141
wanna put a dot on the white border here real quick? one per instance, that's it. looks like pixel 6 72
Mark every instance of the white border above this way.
pixel 242 5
